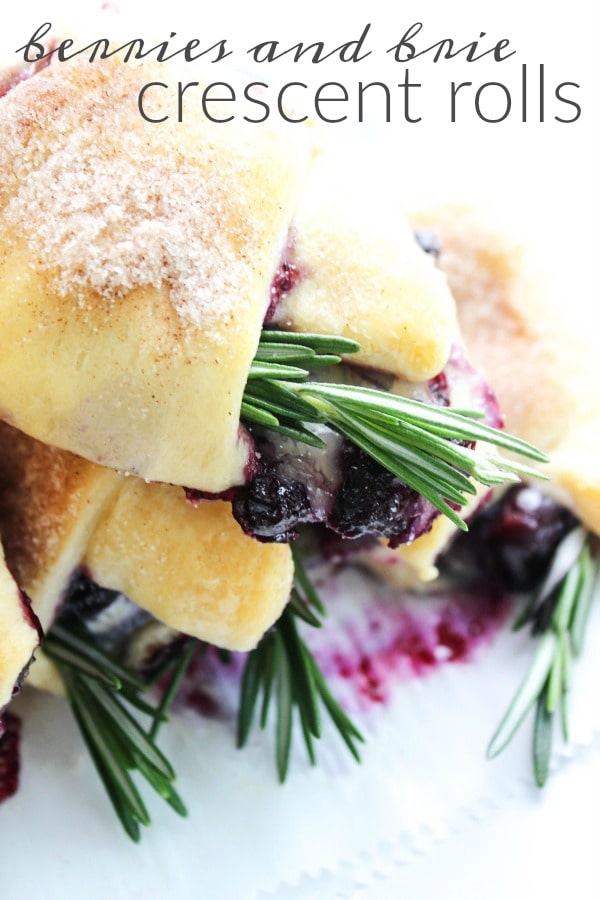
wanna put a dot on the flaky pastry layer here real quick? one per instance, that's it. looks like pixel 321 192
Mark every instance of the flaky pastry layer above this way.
pixel 192 568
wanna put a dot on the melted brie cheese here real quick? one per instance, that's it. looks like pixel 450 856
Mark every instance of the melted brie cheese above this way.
pixel 18 636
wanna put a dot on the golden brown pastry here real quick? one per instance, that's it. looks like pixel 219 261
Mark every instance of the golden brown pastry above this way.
pixel 528 341
pixel 136 269
pixel 533 339
pixel 137 266
pixel 136 262
pixel 193 569
pixel 50 503
pixel 363 276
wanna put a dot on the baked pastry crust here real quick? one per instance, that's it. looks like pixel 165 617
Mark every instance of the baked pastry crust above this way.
pixel 136 261
pixel 50 502
pixel 135 265
pixel 542 369
pixel 192 568
pixel 532 343
pixel 363 276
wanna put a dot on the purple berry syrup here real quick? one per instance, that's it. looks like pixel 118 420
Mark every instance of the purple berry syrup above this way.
pixel 400 638
pixel 286 278
pixel 366 650
pixel 10 740
pixel 514 540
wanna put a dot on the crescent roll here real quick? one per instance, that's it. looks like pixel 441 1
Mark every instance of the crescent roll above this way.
pixel 534 340
pixel 193 569
pixel 138 264
pixel 136 261
pixel 136 271
pixel 528 341
pixel 364 276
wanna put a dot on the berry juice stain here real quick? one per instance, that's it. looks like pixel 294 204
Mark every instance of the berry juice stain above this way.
pixel 10 740
pixel 369 644
pixel 284 281
pixel 211 684
pixel 398 637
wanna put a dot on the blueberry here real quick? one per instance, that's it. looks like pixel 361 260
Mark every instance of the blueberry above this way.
pixel 271 506
pixel 372 500
pixel 85 599
pixel 514 540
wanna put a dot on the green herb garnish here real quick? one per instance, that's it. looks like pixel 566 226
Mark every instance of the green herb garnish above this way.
pixel 101 692
pixel 422 445
pixel 416 442
pixel 558 614
pixel 283 668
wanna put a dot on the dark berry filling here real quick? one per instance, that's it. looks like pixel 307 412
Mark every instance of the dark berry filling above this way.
pixel 30 617
pixel 22 677
pixel 10 739
pixel 107 615
pixel 439 390
pixel 373 501
pixel 271 506
pixel 339 486
pixel 194 496
pixel 85 599
pixel 513 540
pixel 360 499
pixel 284 281
pixel 428 241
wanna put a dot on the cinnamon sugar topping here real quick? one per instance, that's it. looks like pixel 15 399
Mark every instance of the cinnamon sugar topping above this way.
pixel 108 204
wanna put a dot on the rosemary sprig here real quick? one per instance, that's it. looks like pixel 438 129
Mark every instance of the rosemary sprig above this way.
pixel 558 615
pixel 282 667
pixel 418 443
pixel 100 692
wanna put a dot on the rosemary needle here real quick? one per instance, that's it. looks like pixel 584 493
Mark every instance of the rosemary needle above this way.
pixel 547 682
pixel 101 691
pixel 282 666
pixel 422 445
pixel 415 441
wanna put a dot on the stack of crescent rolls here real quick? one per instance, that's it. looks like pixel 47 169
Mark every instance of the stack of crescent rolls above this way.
pixel 136 262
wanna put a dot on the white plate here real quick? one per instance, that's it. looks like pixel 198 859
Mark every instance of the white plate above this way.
pixel 423 781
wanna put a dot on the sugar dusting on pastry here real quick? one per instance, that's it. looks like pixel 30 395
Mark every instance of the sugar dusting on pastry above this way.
pixel 135 266
pixel 109 221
